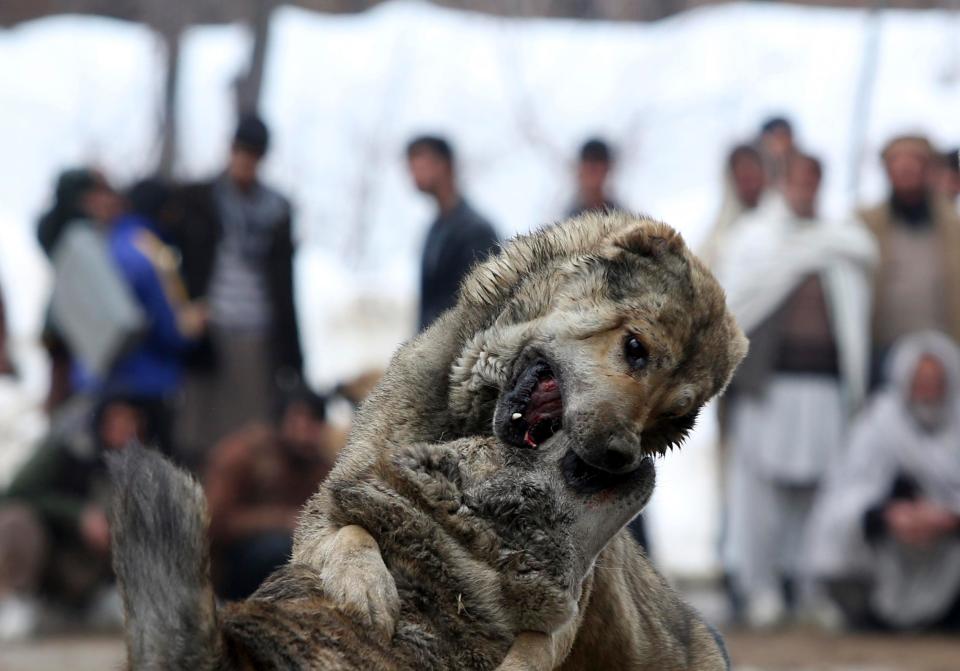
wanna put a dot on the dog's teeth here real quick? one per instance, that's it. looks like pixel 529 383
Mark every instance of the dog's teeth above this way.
pixel 515 416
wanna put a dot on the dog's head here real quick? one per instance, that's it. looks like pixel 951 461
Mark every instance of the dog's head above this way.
pixel 529 519
pixel 613 332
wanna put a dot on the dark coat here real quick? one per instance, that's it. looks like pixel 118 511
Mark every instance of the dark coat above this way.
pixel 196 232
pixel 456 240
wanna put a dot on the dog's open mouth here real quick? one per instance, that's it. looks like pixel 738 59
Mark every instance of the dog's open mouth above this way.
pixel 585 479
pixel 532 411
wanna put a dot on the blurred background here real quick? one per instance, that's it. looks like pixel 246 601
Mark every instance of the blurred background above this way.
pixel 200 200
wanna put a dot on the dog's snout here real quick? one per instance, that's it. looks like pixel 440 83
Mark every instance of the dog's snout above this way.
pixel 617 454
pixel 620 456
pixel 616 460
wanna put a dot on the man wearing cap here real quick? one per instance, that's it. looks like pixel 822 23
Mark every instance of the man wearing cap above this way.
pixel 237 256
pixel 917 284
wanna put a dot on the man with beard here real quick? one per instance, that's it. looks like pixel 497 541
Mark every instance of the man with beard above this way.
pixel 886 533
pixel 917 284
pixel 257 480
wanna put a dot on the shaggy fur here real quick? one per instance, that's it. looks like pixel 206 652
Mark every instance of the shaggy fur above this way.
pixel 482 540
pixel 566 298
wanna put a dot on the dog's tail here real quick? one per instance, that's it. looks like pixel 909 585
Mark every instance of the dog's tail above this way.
pixel 158 522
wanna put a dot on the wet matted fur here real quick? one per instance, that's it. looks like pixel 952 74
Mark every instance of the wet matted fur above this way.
pixel 605 328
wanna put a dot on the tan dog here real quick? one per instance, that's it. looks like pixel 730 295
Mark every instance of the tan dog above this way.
pixel 604 327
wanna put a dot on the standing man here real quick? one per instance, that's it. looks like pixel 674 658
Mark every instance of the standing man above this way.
pixel 799 286
pixel 917 283
pixel 234 235
pixel 744 186
pixel 593 173
pixel 458 237
pixel 776 144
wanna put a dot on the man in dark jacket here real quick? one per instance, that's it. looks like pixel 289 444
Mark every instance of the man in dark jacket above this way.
pixel 234 236
pixel 458 237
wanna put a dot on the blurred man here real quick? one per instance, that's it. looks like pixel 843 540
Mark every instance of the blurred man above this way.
pixel 799 286
pixel 593 174
pixel 458 237
pixel 887 530
pixel 917 284
pixel 54 538
pixel 234 236
pixel 82 198
pixel 257 480
pixel 776 145
pixel 744 187
pixel 152 370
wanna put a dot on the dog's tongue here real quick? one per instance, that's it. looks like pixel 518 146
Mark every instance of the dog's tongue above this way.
pixel 546 405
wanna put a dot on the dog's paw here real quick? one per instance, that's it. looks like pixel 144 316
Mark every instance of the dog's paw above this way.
pixel 531 651
pixel 356 578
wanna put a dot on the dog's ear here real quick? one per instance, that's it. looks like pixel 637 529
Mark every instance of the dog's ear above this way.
pixel 650 238
pixel 431 473
pixel 435 461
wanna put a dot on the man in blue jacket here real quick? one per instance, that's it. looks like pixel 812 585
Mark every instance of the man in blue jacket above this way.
pixel 152 371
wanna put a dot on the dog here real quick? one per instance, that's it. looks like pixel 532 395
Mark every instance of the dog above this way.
pixel 605 328
pixel 482 540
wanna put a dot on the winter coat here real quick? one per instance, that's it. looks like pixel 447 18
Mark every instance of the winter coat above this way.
pixel 197 234
pixel 456 241
pixel 154 367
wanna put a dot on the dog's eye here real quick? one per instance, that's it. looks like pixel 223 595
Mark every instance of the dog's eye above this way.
pixel 635 352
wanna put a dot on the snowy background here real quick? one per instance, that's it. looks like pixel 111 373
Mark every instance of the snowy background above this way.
pixel 344 93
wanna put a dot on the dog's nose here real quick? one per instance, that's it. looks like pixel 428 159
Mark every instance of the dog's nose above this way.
pixel 620 456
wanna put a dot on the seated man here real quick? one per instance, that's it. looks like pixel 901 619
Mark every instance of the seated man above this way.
pixel 257 480
pixel 887 530
pixel 54 538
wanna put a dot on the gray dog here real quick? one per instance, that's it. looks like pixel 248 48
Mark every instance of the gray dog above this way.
pixel 482 540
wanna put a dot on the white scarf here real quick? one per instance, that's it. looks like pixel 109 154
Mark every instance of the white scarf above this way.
pixel 911 585
pixel 770 253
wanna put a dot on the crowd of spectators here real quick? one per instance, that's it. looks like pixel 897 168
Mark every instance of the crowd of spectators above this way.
pixel 840 429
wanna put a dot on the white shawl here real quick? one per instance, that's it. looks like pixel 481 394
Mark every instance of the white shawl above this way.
pixel 770 253
pixel 911 586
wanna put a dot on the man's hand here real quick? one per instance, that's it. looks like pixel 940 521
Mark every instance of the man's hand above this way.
pixel 356 578
pixel 919 523
pixel 95 529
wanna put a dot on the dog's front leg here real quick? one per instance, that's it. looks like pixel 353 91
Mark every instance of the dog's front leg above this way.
pixel 354 575
pixel 537 651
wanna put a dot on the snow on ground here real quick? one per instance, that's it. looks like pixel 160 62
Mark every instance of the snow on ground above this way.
pixel 344 93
